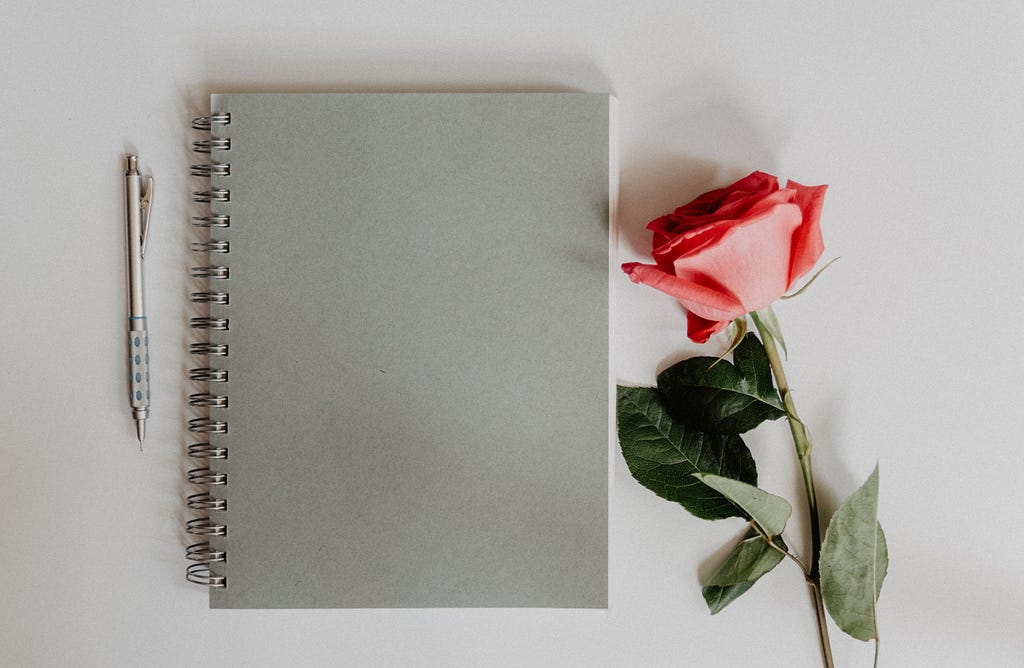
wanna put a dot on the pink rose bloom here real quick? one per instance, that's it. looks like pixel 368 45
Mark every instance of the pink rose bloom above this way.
pixel 734 250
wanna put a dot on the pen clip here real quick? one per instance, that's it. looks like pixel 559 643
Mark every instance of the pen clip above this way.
pixel 145 205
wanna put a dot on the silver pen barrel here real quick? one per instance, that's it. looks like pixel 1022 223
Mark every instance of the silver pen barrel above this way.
pixel 133 228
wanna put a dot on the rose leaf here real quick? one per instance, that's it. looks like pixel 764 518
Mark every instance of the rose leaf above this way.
pixel 749 560
pixel 716 396
pixel 663 455
pixel 854 559
pixel 768 511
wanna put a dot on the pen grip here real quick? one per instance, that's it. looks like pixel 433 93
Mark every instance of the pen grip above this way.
pixel 138 369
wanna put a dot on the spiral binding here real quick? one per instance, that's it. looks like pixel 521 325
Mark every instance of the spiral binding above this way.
pixel 216 324
pixel 204 555
pixel 207 375
pixel 218 272
pixel 207 348
pixel 220 220
pixel 213 169
pixel 211 246
pixel 207 399
pixel 210 298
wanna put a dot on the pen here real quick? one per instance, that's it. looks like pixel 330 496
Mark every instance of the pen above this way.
pixel 137 201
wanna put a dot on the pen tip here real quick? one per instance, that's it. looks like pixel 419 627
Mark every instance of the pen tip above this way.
pixel 140 430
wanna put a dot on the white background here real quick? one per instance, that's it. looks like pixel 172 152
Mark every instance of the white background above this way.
pixel 906 352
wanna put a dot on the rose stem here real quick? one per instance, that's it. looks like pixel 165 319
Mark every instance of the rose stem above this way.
pixel 802 443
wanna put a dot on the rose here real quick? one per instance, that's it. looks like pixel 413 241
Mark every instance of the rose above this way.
pixel 734 250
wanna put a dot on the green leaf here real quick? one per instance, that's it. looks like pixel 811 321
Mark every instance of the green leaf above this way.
pixel 749 560
pixel 720 397
pixel 854 559
pixel 663 455
pixel 770 512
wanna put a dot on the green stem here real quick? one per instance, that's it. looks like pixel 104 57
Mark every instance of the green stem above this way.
pixel 802 444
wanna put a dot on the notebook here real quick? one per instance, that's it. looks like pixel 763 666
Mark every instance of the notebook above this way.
pixel 402 393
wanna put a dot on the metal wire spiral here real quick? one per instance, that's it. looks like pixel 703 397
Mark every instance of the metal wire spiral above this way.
pixel 204 474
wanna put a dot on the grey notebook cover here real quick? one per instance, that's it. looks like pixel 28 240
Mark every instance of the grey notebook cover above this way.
pixel 418 368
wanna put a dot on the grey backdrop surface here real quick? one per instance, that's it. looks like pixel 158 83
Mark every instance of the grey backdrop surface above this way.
pixel 902 352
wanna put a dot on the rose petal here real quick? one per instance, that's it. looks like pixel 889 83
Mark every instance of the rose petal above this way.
pixel 729 202
pixel 696 298
pixel 750 260
pixel 709 202
pixel 700 329
pixel 693 241
pixel 662 229
pixel 807 242
pixel 738 203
